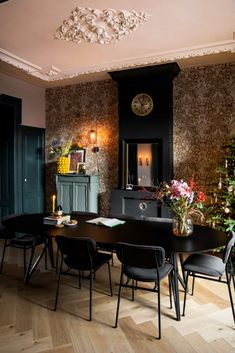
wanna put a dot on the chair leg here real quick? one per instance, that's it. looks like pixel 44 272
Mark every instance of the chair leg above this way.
pixel 232 272
pixel 185 293
pixel 57 260
pixel 119 296
pixel 45 245
pixel 170 290
pixel 230 293
pixel 133 290
pixel 110 280
pixel 90 306
pixel 58 284
pixel 3 254
pixel 159 310
pixel 193 284
pixel 80 279
pixel 24 260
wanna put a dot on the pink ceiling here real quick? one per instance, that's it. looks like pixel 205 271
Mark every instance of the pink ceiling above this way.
pixel 190 32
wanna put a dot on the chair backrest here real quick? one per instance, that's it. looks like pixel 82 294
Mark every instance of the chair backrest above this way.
pixel 81 247
pixel 142 256
pixel 229 247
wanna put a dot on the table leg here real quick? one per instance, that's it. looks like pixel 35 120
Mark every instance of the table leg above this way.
pixel 50 250
pixel 31 268
pixel 176 286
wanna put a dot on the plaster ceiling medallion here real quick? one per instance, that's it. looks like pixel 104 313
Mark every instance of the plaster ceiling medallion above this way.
pixel 99 26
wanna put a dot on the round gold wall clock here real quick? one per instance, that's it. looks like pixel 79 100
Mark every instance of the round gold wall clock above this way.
pixel 142 104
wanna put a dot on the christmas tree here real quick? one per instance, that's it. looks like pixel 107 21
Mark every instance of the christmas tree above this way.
pixel 221 213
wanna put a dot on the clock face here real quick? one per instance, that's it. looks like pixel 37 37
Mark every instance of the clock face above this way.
pixel 142 104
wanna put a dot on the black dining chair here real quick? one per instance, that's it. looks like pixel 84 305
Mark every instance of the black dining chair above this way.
pixel 77 214
pixel 81 254
pixel 21 241
pixel 213 268
pixel 143 264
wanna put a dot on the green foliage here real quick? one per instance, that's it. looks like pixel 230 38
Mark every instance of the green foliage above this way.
pixel 221 213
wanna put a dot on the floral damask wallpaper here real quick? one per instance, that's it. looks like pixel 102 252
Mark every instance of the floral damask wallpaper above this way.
pixel 204 112
pixel 203 118
pixel 71 112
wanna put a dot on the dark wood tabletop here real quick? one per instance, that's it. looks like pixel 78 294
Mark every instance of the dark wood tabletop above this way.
pixel 133 231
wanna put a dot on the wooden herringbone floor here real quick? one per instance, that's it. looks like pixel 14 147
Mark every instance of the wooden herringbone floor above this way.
pixel 26 324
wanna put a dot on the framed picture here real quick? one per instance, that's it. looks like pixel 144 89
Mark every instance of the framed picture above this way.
pixel 81 168
pixel 74 159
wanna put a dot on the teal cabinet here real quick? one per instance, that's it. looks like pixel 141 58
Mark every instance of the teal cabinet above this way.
pixel 77 192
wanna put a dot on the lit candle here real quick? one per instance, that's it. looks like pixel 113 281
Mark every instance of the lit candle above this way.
pixel 53 204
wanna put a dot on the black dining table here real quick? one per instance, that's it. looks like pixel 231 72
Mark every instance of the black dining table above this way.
pixel 142 232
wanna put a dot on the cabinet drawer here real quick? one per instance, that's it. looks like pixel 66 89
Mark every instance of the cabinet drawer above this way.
pixel 73 178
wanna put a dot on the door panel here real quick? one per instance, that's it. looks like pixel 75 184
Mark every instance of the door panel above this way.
pixel 33 169
pixel 80 197
pixel 65 196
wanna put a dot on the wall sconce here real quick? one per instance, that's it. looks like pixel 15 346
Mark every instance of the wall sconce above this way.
pixel 147 161
pixel 93 141
pixel 93 137
pixel 140 161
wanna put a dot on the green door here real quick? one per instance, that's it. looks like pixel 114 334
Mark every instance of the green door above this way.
pixel 32 169
pixel 7 190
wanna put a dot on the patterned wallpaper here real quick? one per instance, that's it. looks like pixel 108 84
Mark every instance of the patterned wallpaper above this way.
pixel 204 109
pixel 203 117
pixel 73 111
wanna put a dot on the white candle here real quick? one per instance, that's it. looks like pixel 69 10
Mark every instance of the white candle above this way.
pixel 53 203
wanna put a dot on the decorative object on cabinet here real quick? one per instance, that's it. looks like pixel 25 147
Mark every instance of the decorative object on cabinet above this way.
pixel 62 165
pixel 78 192
pixel 81 168
pixel 75 158
pixel 68 155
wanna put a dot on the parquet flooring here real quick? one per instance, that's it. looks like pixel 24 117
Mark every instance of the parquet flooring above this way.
pixel 27 325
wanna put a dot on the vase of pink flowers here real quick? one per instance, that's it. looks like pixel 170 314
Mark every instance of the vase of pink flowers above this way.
pixel 185 199
pixel 182 226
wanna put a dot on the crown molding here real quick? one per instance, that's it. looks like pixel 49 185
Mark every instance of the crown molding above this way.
pixel 52 73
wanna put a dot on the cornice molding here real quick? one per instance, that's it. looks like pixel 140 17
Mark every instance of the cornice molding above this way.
pixel 52 73
pixel 99 26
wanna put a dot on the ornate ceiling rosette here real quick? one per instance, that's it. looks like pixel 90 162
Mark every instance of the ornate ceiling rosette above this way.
pixel 99 26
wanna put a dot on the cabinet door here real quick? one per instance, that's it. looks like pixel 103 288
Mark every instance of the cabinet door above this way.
pixel 80 197
pixel 65 196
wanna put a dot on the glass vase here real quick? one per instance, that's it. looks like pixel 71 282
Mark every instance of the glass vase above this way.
pixel 182 226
